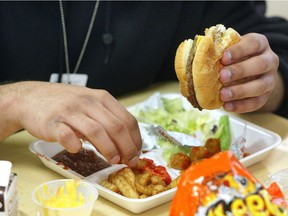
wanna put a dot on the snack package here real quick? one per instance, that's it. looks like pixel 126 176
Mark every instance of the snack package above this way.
pixel 221 185
pixel 276 194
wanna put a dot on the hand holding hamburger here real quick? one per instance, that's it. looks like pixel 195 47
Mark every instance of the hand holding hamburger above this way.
pixel 247 69
pixel 197 66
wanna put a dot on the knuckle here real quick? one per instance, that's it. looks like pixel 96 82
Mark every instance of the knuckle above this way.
pixel 133 127
pixel 263 87
pixel 259 102
pixel 132 122
pixel 276 59
pixel 89 99
pixel 93 130
pixel 237 72
pixel 264 63
pixel 248 105
pixel 239 93
pixel 86 99
pixel 269 62
pixel 269 82
pixel 64 135
pixel 258 40
pixel 118 127
pixel 263 39
pixel 103 95
pixel 70 144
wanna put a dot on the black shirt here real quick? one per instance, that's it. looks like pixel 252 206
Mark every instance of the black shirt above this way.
pixel 146 35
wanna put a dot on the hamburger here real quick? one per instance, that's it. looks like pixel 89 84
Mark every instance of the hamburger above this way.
pixel 197 66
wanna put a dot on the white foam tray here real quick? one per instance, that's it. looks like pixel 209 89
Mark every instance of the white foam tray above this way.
pixel 259 143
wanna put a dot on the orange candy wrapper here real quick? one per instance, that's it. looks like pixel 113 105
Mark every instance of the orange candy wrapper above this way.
pixel 221 185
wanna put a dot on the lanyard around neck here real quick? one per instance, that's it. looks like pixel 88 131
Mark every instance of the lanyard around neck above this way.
pixel 85 41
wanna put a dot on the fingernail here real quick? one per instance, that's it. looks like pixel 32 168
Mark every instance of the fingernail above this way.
pixel 115 159
pixel 225 75
pixel 226 94
pixel 227 57
pixel 133 162
pixel 229 107
pixel 139 152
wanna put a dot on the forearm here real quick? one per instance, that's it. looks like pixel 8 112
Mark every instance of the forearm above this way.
pixel 9 108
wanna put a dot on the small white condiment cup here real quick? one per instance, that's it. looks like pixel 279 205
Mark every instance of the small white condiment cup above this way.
pixel 49 190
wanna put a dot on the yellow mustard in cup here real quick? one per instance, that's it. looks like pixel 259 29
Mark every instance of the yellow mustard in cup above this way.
pixel 65 197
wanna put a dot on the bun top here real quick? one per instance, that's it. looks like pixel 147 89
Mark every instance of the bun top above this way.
pixel 222 37
pixel 206 67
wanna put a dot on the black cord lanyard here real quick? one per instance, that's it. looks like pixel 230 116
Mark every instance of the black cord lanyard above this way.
pixel 85 41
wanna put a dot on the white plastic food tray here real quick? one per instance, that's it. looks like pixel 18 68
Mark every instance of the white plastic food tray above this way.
pixel 259 143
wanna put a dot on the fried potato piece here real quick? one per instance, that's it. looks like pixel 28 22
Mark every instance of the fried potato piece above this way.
pixel 111 176
pixel 141 163
pixel 129 176
pixel 149 190
pixel 142 181
pixel 157 180
pixel 125 188
pixel 143 196
pixel 144 178
pixel 158 189
pixel 174 183
pixel 107 184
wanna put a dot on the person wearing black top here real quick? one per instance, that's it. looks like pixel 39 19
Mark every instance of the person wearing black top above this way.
pixel 123 47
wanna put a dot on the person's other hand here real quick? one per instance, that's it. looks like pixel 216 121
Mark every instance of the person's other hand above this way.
pixel 249 74
pixel 68 113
